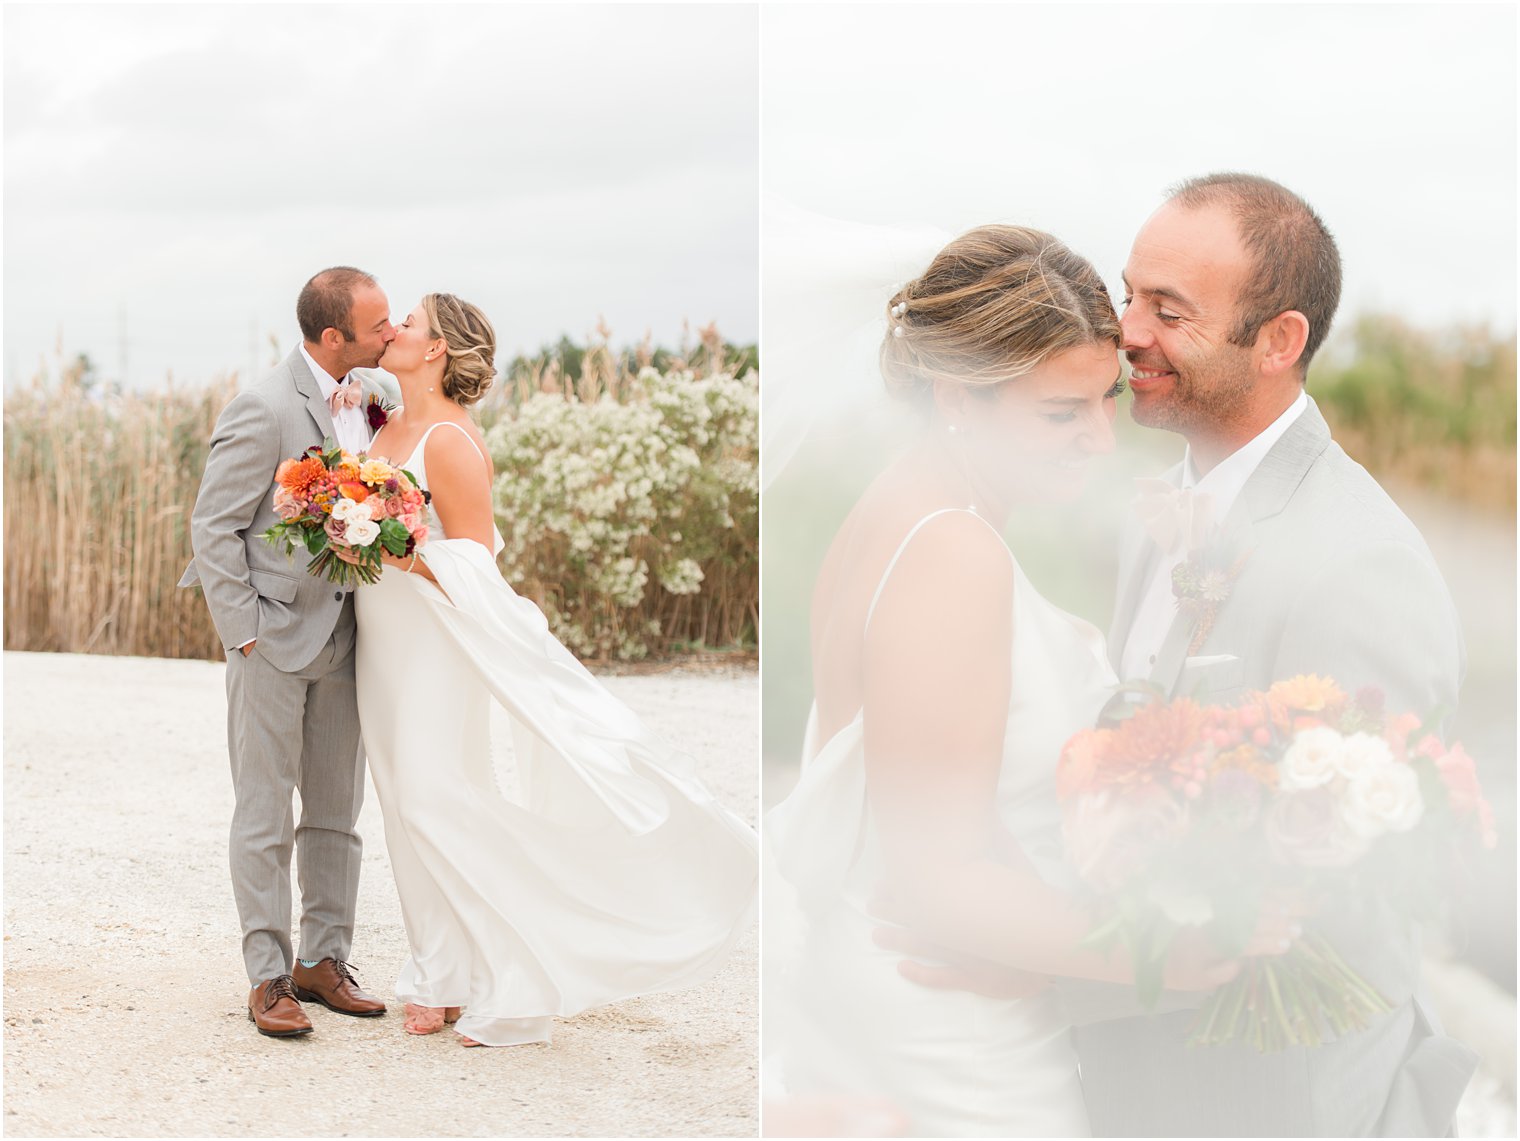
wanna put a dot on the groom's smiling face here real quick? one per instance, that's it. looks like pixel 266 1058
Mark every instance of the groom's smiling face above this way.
pixel 1182 287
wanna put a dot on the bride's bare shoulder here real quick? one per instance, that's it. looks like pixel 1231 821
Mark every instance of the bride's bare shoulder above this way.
pixel 460 447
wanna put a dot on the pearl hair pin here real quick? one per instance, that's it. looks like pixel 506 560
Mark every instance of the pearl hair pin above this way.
pixel 899 309
pixel 897 331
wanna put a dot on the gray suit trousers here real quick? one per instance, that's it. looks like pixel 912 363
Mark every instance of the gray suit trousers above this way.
pixel 288 731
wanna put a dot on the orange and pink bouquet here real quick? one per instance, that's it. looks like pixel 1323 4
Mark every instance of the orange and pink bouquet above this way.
pixel 330 500
pixel 1184 815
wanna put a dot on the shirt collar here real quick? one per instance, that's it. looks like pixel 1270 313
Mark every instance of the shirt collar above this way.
pixel 326 383
pixel 1225 480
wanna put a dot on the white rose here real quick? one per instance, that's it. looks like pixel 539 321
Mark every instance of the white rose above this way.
pixel 1384 798
pixel 1312 758
pixel 344 509
pixel 1361 753
pixel 361 532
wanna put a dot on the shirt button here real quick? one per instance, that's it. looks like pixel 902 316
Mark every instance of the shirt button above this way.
pixel 338 597
pixel 1153 659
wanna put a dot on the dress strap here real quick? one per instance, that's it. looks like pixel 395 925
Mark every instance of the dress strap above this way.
pixel 422 443
pixel 903 546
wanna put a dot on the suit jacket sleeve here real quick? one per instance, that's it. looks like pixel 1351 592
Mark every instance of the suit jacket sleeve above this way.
pixel 244 454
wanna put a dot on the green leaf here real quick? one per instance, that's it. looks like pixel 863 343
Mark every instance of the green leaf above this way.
pixel 1103 937
pixel 316 540
pixel 393 537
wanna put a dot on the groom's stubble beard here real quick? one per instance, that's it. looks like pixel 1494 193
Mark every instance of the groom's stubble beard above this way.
pixel 356 356
pixel 1206 395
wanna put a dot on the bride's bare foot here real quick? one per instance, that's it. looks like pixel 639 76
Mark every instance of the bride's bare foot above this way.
pixel 451 1014
pixel 463 1041
pixel 424 1019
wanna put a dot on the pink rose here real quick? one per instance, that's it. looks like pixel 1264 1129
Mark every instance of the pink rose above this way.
pixel 286 505
pixel 337 531
pixel 1113 835
pixel 1459 775
pixel 1306 829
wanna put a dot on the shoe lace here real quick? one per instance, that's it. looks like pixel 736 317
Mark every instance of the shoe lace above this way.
pixel 281 987
pixel 345 971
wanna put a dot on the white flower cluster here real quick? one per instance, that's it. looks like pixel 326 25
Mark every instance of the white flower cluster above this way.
pixel 359 526
pixel 596 500
pixel 1376 792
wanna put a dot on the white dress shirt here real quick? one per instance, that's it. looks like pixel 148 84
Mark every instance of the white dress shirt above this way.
pixel 351 425
pixel 1223 485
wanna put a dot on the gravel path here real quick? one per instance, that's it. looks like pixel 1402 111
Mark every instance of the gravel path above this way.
pixel 124 990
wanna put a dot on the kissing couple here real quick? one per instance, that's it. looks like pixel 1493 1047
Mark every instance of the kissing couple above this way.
pixel 609 872
pixel 943 965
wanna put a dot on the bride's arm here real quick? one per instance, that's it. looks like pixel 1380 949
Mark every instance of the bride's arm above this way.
pixel 937 684
pixel 461 487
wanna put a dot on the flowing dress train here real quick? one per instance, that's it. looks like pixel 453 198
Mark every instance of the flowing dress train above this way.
pixel 608 872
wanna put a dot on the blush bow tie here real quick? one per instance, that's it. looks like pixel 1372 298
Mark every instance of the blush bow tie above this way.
pixel 1177 518
pixel 345 396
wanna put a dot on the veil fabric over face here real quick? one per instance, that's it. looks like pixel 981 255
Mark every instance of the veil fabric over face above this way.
pixel 827 283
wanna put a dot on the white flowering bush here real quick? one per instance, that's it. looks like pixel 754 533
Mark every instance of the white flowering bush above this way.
pixel 633 523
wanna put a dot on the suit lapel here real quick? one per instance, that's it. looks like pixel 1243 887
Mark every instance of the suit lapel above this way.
pixel 316 404
pixel 1265 494
pixel 1283 468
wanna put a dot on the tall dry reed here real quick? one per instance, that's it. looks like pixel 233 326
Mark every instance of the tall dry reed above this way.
pixel 98 491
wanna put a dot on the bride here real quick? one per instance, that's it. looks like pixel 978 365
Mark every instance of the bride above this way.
pixel 611 872
pixel 945 687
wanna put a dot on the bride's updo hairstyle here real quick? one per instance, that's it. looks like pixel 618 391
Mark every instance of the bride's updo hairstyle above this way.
pixel 469 365
pixel 992 306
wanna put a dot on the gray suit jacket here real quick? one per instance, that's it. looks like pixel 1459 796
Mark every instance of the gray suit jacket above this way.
pixel 1335 581
pixel 252 589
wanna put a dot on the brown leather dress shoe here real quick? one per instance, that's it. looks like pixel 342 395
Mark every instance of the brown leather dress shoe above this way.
pixel 273 1008
pixel 332 984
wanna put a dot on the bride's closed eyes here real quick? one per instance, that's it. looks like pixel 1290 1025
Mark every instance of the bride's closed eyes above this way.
pixel 1115 390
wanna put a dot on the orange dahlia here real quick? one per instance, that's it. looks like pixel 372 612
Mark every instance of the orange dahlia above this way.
pixel 1082 761
pixel 299 476
pixel 1153 738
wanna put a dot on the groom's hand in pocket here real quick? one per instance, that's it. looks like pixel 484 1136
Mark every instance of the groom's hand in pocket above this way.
pixel 248 649
pixel 952 970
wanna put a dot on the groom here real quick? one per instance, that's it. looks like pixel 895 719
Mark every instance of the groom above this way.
pixel 292 717
pixel 1230 289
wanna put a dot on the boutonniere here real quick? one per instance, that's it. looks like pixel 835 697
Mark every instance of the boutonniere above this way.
pixel 377 411
pixel 1202 583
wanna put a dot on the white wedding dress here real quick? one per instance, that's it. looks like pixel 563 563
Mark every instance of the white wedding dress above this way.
pixel 957 1063
pixel 608 872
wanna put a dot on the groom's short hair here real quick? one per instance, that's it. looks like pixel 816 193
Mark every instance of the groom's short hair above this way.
pixel 327 300
pixel 1297 265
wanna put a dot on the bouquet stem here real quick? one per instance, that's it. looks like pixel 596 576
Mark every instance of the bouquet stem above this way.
pixel 1287 1001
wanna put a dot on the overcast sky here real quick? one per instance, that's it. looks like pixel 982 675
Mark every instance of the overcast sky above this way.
pixel 180 170
pixel 1397 122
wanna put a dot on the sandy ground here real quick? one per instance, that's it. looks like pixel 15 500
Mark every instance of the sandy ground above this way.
pixel 124 989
